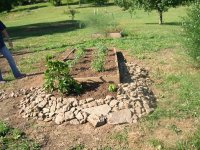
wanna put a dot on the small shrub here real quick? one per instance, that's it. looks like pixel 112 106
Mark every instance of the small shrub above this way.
pixel 191 26
pixel 112 88
pixel 71 12
pixel 4 129
pixel 57 77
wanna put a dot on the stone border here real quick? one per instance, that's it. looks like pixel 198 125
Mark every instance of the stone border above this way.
pixel 134 100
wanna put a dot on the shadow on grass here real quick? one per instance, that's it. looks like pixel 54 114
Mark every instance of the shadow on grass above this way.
pixel 166 23
pixel 40 29
pixel 28 8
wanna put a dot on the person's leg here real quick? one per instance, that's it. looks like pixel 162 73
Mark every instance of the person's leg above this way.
pixel 6 53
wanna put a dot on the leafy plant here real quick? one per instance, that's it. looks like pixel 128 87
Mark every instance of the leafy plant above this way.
pixel 16 134
pixel 4 129
pixel 99 58
pixel 57 77
pixel 112 88
pixel 191 26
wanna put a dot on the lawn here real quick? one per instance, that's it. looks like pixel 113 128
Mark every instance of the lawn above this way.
pixel 43 29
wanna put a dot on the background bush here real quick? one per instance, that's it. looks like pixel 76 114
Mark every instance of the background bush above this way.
pixel 191 26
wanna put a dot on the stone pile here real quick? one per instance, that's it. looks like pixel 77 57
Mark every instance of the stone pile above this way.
pixel 13 94
pixel 134 99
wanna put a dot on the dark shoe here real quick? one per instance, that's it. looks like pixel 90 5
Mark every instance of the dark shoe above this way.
pixel 21 76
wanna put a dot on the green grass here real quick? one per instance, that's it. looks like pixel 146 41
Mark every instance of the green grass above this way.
pixel 43 29
pixel 14 139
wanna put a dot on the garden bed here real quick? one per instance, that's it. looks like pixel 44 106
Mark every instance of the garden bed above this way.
pixel 82 69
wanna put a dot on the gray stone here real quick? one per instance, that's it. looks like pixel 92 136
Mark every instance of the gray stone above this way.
pixel 92 104
pixel 109 97
pixel 97 121
pixel 45 110
pixel 73 109
pixel 88 100
pixel 59 105
pixel 53 108
pixel 120 117
pixel 121 105
pixel 98 110
pixel 60 118
pixel 113 103
pixel 42 104
pixel 74 122
pixel 47 119
pixel 79 116
pixel 69 115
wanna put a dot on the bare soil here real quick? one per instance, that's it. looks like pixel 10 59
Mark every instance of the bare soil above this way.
pixel 83 67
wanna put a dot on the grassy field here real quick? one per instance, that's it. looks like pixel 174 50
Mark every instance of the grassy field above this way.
pixel 42 29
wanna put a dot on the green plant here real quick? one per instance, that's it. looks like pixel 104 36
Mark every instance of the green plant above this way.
pixel 191 26
pixel 99 58
pixel 56 2
pixel 4 129
pixel 16 134
pixel 78 147
pixel 57 77
pixel 112 88
pixel 71 12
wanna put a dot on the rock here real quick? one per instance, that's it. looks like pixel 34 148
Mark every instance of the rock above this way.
pixel 42 104
pixel 53 98
pixel 74 122
pixel 12 95
pixel 73 109
pixel 138 110
pixel 69 115
pixel 47 119
pixel 92 104
pixel 53 108
pixel 113 103
pixel 71 100
pixel 120 117
pixel 97 121
pixel 81 102
pixel 60 118
pixel 79 116
pixel 51 114
pixel 98 110
pixel 59 105
pixel 45 110
pixel 88 100
pixel 109 97
pixel 121 105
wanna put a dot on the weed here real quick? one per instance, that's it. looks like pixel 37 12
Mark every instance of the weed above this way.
pixel 156 143
pixel 175 129
pixel 78 147
pixel 112 88
pixel 4 129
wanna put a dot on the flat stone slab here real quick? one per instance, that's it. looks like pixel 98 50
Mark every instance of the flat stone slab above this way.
pixel 98 110
pixel 120 117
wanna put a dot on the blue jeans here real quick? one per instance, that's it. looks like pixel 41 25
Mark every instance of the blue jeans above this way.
pixel 6 53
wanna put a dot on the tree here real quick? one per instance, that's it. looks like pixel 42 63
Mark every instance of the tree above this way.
pixel 191 26
pixel 148 5
pixel 6 5
pixel 56 2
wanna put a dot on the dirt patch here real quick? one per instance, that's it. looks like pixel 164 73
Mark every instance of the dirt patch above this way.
pixel 83 67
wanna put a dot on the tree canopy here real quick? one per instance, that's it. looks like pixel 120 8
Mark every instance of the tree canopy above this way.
pixel 148 5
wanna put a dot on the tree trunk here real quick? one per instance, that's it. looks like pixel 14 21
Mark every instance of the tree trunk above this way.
pixel 160 17
pixel 79 3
